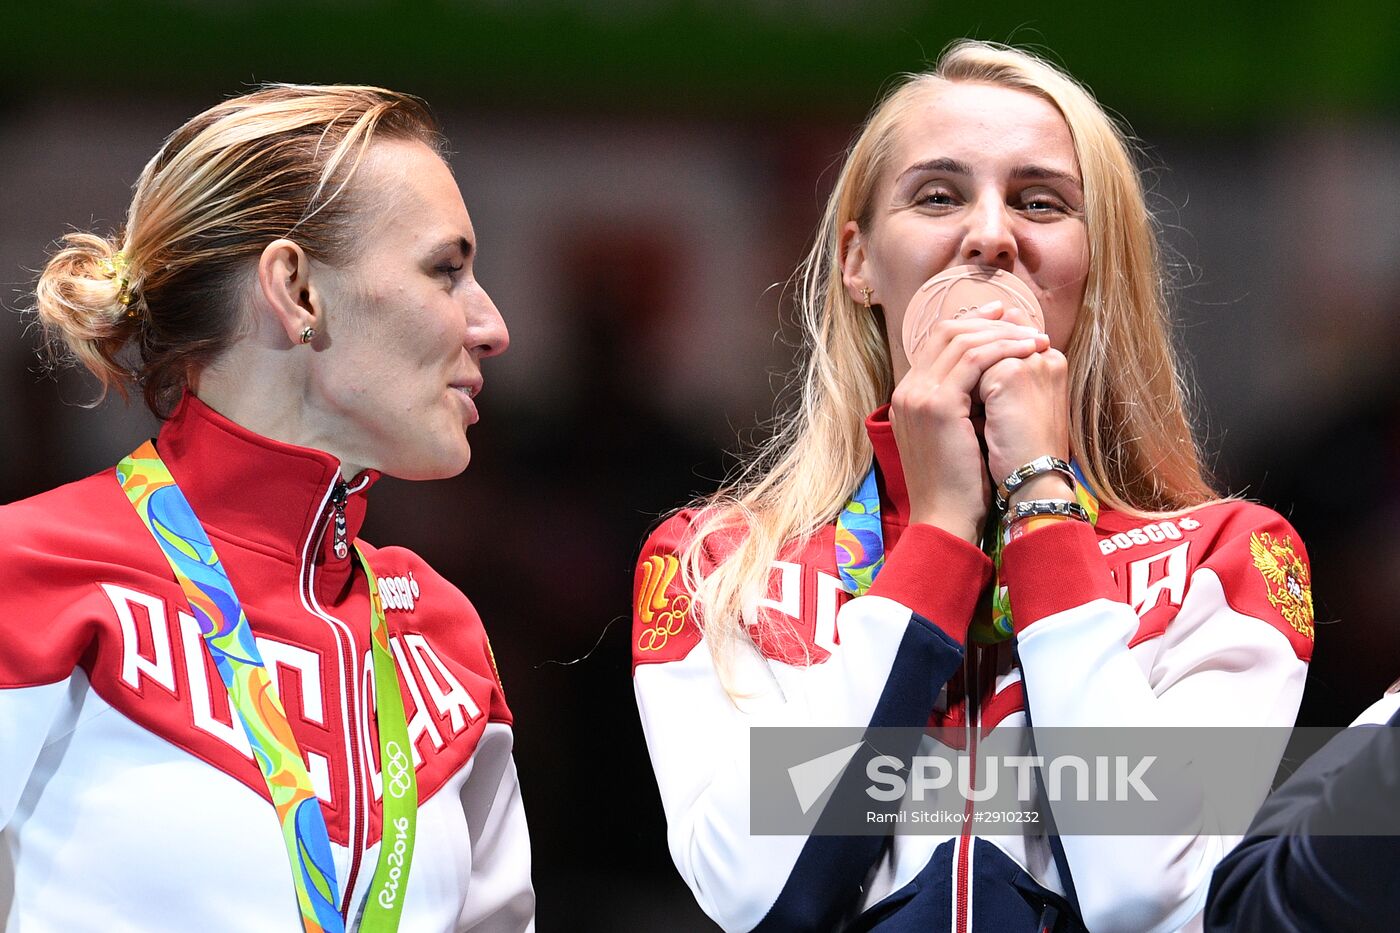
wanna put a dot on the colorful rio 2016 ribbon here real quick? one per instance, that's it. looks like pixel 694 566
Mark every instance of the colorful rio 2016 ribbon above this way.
pixel 860 542
pixel 171 521
pixel 860 550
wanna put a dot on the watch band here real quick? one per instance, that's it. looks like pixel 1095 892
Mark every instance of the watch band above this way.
pixel 1024 474
pixel 1061 507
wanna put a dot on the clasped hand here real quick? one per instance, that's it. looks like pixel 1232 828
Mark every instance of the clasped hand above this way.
pixel 987 378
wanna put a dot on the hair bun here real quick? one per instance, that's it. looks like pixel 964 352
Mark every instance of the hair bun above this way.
pixel 86 306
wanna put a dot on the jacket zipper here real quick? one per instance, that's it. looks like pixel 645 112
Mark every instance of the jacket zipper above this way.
pixel 339 495
pixel 974 727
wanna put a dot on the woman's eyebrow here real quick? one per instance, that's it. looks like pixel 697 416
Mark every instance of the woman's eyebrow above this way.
pixel 1022 172
pixel 945 165
pixel 460 243
pixel 1041 173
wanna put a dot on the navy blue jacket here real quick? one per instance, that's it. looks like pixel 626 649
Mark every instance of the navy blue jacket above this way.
pixel 1293 872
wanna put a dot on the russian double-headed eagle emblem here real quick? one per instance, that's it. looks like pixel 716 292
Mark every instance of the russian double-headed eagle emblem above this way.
pixel 1287 578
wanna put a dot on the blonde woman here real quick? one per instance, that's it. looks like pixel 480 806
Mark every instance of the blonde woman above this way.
pixel 219 709
pixel 836 582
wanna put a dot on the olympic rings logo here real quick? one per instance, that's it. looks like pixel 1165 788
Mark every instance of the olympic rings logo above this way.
pixel 668 623
pixel 398 774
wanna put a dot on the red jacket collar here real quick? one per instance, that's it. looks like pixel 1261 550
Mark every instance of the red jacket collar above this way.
pixel 894 495
pixel 264 493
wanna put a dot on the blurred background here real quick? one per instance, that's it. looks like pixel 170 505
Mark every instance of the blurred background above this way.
pixel 643 180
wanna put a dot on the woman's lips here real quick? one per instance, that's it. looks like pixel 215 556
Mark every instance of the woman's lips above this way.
pixel 465 393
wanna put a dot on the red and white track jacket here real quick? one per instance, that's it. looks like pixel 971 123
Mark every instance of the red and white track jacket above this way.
pixel 1133 622
pixel 129 799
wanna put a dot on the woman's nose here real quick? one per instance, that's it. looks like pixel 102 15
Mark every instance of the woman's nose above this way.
pixel 488 334
pixel 989 239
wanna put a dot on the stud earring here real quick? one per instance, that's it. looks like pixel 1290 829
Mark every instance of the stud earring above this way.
pixel 308 334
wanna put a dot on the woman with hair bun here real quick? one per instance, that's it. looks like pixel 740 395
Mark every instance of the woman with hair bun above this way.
pixel 989 412
pixel 219 708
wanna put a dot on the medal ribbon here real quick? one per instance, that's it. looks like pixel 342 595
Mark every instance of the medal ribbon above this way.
pixel 167 515
pixel 860 541
pixel 397 777
pixel 860 549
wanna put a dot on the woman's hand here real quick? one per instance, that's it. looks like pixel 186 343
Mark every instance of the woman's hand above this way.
pixel 931 412
pixel 1026 399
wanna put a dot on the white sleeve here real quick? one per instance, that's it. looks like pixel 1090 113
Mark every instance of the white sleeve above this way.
pixel 1225 659
pixel 897 646
pixel 1379 712
pixel 500 896
pixel 30 717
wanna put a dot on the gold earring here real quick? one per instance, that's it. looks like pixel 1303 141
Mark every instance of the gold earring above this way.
pixel 865 297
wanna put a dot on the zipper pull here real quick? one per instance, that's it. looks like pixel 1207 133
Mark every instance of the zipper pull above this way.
pixel 338 496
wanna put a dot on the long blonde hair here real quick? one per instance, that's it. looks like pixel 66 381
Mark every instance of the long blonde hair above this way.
pixel 1129 429
pixel 272 163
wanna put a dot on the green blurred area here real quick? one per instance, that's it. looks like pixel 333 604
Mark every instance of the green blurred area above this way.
pixel 1192 62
